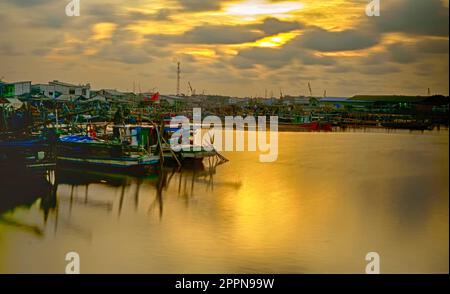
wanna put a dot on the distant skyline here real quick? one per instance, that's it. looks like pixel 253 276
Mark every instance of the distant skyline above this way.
pixel 233 47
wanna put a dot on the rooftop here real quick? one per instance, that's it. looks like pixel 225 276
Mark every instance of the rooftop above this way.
pixel 56 82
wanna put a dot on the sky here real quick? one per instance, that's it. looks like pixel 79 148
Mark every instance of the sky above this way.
pixel 230 47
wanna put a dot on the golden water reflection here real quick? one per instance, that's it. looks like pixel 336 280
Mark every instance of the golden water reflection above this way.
pixel 327 201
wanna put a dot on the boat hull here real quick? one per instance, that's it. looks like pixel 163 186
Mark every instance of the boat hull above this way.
pixel 116 165
pixel 21 155
pixel 84 153
pixel 316 127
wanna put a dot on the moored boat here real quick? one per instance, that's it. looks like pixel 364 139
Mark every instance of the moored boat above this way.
pixel 149 137
pixel 316 126
pixel 86 152
pixel 20 154
pixel 408 126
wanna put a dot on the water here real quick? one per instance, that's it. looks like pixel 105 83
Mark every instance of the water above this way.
pixel 329 200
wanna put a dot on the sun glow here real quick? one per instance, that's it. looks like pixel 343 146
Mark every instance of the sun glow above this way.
pixel 262 7
pixel 200 52
pixel 276 40
pixel 103 31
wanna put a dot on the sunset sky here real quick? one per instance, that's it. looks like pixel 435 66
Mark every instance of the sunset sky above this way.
pixel 230 47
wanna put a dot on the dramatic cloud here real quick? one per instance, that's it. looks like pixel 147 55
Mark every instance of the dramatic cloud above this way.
pixel 230 46
pixel 200 5
pixel 328 41
pixel 400 53
pixel 215 35
pixel 418 17
pixel 433 46
pixel 279 57
pixel 273 26
pixel 272 58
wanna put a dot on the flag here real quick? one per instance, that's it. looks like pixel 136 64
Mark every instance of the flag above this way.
pixel 155 97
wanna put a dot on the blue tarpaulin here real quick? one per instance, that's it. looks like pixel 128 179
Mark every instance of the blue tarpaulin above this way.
pixel 77 138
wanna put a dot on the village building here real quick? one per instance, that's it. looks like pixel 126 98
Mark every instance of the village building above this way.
pixel 55 89
pixel 15 89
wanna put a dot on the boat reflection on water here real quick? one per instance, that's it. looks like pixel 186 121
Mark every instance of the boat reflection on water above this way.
pixel 77 185
pixel 22 190
pixel 59 192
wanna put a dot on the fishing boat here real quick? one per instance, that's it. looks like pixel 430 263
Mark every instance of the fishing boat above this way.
pixel 152 138
pixel 80 151
pixel 21 154
pixel 316 126
pixel 190 151
pixel 405 125
pixel 306 123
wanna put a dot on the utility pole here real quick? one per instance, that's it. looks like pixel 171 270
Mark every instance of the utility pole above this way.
pixel 178 78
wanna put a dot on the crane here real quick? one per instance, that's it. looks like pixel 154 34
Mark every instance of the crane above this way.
pixel 310 89
pixel 192 89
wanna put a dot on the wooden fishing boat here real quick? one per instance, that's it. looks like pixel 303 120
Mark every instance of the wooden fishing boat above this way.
pixel 417 126
pixel 85 152
pixel 149 137
pixel 316 126
pixel 20 154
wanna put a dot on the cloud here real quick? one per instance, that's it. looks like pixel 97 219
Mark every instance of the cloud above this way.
pixel 406 53
pixel 308 58
pixel 120 48
pixel 53 21
pixel 401 53
pixel 213 34
pixel 160 15
pixel 229 34
pixel 102 12
pixel 27 3
pixel 200 5
pixel 279 57
pixel 341 69
pixel 124 53
pixel 269 57
pixel 416 17
pixel 378 69
pixel 273 26
pixel 8 49
pixel 410 38
pixel 329 41
pixel 433 46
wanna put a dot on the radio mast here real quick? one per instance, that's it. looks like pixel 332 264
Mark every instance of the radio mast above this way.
pixel 178 78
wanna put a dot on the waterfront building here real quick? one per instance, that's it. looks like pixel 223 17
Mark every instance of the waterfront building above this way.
pixel 56 88
pixel 15 89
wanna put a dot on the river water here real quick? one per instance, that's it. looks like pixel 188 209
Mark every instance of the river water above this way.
pixel 328 200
